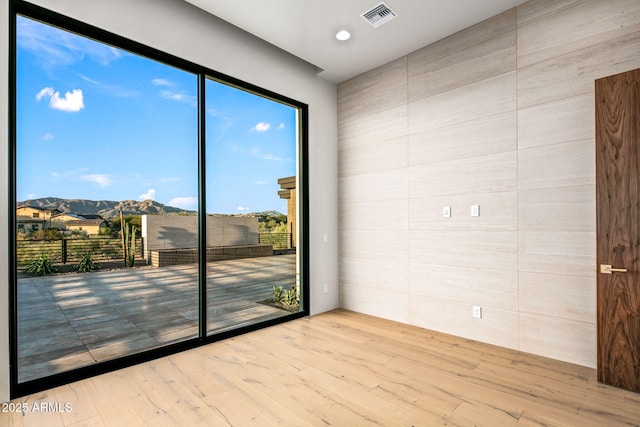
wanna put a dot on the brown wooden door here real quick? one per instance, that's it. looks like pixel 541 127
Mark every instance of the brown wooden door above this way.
pixel 618 229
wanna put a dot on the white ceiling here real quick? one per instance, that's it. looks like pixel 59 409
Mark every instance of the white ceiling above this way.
pixel 307 28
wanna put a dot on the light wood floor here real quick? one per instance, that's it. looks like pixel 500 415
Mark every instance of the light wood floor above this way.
pixel 340 369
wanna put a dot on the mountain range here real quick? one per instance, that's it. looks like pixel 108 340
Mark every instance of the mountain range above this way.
pixel 105 208
pixel 111 209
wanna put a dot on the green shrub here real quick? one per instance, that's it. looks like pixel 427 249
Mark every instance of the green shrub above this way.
pixel 278 293
pixel 41 266
pixel 290 298
pixel 86 264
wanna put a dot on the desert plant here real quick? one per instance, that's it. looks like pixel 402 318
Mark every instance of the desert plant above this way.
pixel 41 266
pixel 130 245
pixel 128 242
pixel 290 297
pixel 278 293
pixel 86 264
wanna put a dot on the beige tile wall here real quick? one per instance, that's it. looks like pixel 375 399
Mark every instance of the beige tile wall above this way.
pixel 500 115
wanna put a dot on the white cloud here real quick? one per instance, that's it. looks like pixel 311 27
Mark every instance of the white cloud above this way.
pixel 72 102
pixel 47 91
pixel 281 126
pixel 47 136
pixel 262 127
pixel 187 203
pixel 102 181
pixel 178 97
pixel 149 195
pixel 242 209
pixel 160 82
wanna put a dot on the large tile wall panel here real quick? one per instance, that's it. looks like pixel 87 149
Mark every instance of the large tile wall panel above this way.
pixel 500 115
pixel 553 337
pixel 563 46
pixel 482 51
pixel 384 185
pixel 488 287
pixel 556 295
pixel 476 249
pixel 490 135
pixel 574 74
pixel 374 215
pixel 374 157
pixel 499 211
pixel 570 253
pixel 369 128
pixel 559 165
pixel 379 90
pixel 483 174
pixel 550 28
pixel 373 192
pixel 499 327
pixel 566 120
pixel 557 209
pixel 478 100
pixel 388 304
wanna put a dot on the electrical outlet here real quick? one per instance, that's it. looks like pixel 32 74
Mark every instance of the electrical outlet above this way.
pixel 477 312
pixel 325 288
pixel 475 210
pixel 446 212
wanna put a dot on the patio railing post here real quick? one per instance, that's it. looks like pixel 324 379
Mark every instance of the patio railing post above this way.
pixel 64 250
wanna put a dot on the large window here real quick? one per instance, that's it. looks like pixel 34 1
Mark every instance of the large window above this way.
pixel 156 203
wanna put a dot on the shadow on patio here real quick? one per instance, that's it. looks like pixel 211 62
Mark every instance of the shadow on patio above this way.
pixel 74 320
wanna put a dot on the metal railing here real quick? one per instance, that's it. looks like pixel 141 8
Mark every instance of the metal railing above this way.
pixel 277 240
pixel 71 250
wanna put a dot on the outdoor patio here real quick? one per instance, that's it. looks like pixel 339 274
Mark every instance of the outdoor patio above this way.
pixel 74 320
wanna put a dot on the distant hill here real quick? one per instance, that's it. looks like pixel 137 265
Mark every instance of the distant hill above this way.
pixel 111 209
pixel 252 214
pixel 105 208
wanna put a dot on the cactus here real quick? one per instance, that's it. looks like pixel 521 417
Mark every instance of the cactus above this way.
pixel 128 242
pixel 129 245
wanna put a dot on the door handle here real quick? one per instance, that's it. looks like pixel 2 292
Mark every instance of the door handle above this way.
pixel 608 269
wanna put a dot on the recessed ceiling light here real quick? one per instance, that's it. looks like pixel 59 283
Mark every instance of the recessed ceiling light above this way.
pixel 343 35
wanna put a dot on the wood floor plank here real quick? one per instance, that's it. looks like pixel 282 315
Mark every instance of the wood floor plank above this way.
pixel 341 368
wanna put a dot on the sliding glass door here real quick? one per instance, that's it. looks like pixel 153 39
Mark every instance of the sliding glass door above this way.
pixel 105 138
pixel 155 203
pixel 251 147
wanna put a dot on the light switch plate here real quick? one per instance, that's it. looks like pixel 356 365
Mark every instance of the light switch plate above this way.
pixel 475 210
pixel 477 312
pixel 446 212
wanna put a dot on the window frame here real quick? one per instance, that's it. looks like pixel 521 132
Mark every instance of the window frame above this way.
pixel 28 10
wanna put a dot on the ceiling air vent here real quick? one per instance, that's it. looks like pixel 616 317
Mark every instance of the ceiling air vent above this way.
pixel 379 15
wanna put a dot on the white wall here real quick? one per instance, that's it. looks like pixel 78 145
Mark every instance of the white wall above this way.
pixel 500 115
pixel 185 31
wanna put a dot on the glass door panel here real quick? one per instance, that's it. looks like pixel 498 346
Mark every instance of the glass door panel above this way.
pixel 251 179
pixel 106 202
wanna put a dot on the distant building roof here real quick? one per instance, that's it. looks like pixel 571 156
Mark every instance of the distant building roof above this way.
pixel 71 215
pixel 86 222
pixel 38 208
pixel 90 216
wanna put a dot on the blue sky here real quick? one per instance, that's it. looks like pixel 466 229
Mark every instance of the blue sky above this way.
pixel 95 122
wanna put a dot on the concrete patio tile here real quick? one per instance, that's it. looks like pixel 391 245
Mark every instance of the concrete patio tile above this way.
pixel 74 320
